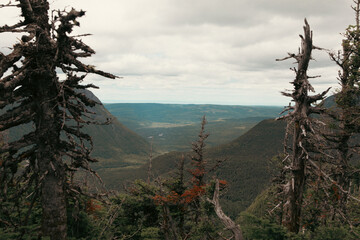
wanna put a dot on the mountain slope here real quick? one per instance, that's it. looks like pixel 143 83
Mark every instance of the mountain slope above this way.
pixel 114 144
pixel 172 126
pixel 246 168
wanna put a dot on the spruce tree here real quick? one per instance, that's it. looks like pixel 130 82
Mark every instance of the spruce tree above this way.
pixel 346 115
pixel 32 93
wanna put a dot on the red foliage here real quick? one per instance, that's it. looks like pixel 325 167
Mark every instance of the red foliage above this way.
pixel 172 198
pixel 92 206
pixel 197 172
pixel 223 183
pixel 189 195
pixel 159 200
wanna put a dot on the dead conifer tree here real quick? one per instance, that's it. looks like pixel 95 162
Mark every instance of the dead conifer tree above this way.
pixel 31 92
pixel 298 117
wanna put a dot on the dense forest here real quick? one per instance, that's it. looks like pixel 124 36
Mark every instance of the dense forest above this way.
pixel 50 189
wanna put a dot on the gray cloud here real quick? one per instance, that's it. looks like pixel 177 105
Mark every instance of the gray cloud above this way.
pixel 204 51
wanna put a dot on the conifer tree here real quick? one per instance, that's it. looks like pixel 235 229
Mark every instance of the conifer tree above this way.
pixel 302 132
pixel 32 93
pixel 198 172
pixel 346 116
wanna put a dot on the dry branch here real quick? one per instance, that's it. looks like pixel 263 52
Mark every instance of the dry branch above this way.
pixel 303 132
pixel 229 224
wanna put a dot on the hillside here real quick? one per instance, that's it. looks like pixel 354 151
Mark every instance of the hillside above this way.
pixel 114 144
pixel 247 168
pixel 173 126
pixel 122 153
pixel 185 113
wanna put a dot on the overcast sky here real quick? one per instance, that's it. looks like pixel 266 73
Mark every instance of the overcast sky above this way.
pixel 203 51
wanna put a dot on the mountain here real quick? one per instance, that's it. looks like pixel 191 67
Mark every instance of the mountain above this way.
pixel 172 126
pixel 123 153
pixel 247 167
pixel 114 144
pixel 185 113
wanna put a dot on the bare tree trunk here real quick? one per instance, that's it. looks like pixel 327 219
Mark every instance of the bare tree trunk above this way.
pixel 54 222
pixel 49 159
pixel 297 183
pixel 303 131
pixel 229 224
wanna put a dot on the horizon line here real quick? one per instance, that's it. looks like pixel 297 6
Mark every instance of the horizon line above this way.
pixel 177 103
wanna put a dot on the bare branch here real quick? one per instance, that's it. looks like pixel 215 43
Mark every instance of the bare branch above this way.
pixel 229 224
pixel 7 61
pixel 319 96
pixel 25 141
pixel 291 55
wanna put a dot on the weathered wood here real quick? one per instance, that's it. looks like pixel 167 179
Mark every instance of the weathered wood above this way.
pixel 302 131
pixel 229 224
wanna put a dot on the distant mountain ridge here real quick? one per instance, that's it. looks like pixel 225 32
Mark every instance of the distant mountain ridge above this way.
pixel 173 126
pixel 186 113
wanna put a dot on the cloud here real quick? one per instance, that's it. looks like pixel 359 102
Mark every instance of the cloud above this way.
pixel 204 51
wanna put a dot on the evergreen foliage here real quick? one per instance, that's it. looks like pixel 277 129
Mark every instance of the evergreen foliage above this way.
pixel 45 159
pixel 261 229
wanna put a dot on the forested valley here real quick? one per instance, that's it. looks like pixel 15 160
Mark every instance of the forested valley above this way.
pixel 73 168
